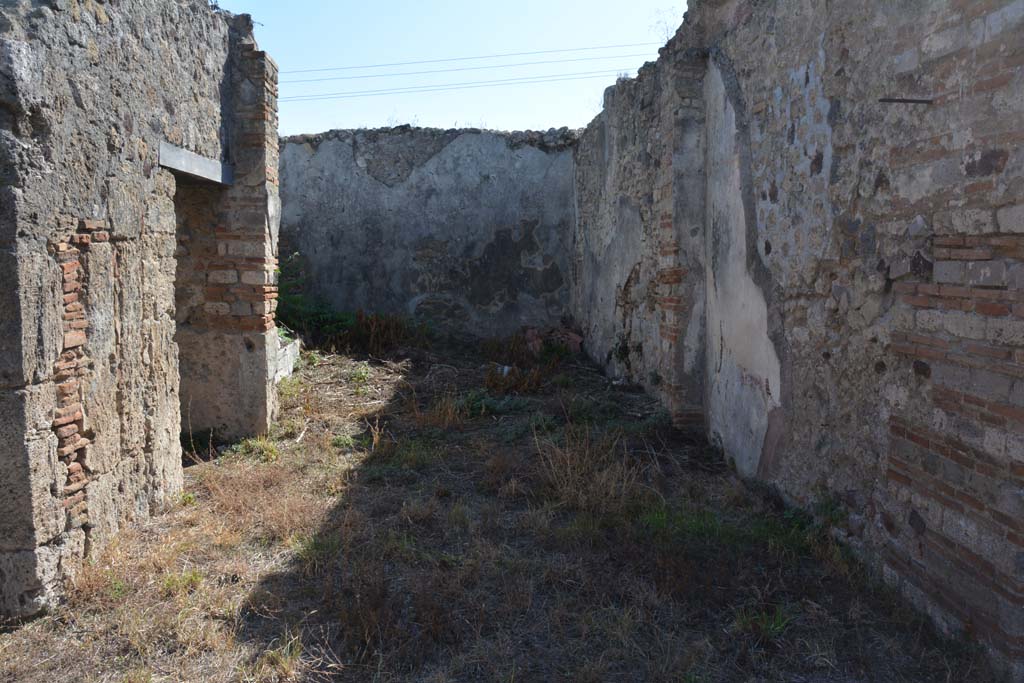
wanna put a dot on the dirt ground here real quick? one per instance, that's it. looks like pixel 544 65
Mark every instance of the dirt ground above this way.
pixel 476 514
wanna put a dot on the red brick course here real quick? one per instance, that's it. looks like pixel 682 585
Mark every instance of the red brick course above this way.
pixel 73 364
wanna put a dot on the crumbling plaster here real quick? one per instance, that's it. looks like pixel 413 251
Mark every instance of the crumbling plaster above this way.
pixel 468 230
pixel 743 371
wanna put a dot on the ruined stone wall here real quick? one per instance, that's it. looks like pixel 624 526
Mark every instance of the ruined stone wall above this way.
pixel 863 336
pixel 470 230
pixel 89 399
pixel 638 244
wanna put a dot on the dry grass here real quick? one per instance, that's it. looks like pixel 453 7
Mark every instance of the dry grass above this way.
pixel 444 412
pixel 256 498
pixel 591 471
pixel 405 523
pixel 512 380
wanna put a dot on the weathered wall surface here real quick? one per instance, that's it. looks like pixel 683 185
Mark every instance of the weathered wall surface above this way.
pixel 639 245
pixel 468 229
pixel 855 280
pixel 89 400
pixel 892 277
pixel 637 287
pixel 743 371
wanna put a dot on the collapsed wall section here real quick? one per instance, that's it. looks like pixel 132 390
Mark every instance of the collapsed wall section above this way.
pixel 469 230
pixel 89 366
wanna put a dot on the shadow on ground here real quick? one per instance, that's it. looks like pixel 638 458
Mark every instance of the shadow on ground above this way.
pixel 541 523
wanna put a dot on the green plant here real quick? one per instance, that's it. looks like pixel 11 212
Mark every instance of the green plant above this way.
pixel 118 588
pixel 458 516
pixel 765 624
pixel 187 498
pixel 280 663
pixel 658 421
pixel 542 423
pixel 289 388
pixel 583 409
pixel 258 448
pixel 360 373
pixel 178 584
pixel 415 454
pixel 343 442
pixel 310 358
pixel 289 428
pixel 315 551
pixel 318 324
pixel 479 403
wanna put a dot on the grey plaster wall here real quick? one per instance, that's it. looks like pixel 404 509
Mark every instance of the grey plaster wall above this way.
pixel 471 230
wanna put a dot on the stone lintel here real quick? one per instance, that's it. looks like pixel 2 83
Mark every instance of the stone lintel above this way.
pixel 190 163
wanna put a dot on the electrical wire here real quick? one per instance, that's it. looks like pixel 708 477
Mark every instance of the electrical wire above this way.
pixel 467 59
pixel 438 87
pixel 465 68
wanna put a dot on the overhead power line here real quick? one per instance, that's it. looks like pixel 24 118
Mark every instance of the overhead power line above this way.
pixel 453 86
pixel 464 68
pixel 468 59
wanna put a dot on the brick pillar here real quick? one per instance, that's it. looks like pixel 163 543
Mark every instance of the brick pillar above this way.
pixel 679 206
pixel 228 372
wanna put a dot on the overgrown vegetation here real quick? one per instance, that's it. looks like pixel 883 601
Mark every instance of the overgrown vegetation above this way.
pixel 413 521
pixel 320 326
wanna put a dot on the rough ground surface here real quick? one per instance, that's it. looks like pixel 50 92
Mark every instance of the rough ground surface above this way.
pixel 411 519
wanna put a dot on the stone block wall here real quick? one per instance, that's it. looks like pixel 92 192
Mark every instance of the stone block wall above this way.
pixel 89 365
pixel 860 257
pixel 468 229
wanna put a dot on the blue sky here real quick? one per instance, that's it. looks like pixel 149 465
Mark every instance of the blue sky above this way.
pixel 316 34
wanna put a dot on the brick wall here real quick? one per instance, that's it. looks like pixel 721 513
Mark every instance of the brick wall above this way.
pixel 956 456
pixel 848 277
pixel 891 236
pixel 72 368
pixel 226 287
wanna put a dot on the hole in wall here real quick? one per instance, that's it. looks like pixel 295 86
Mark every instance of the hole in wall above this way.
pixel 922 369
